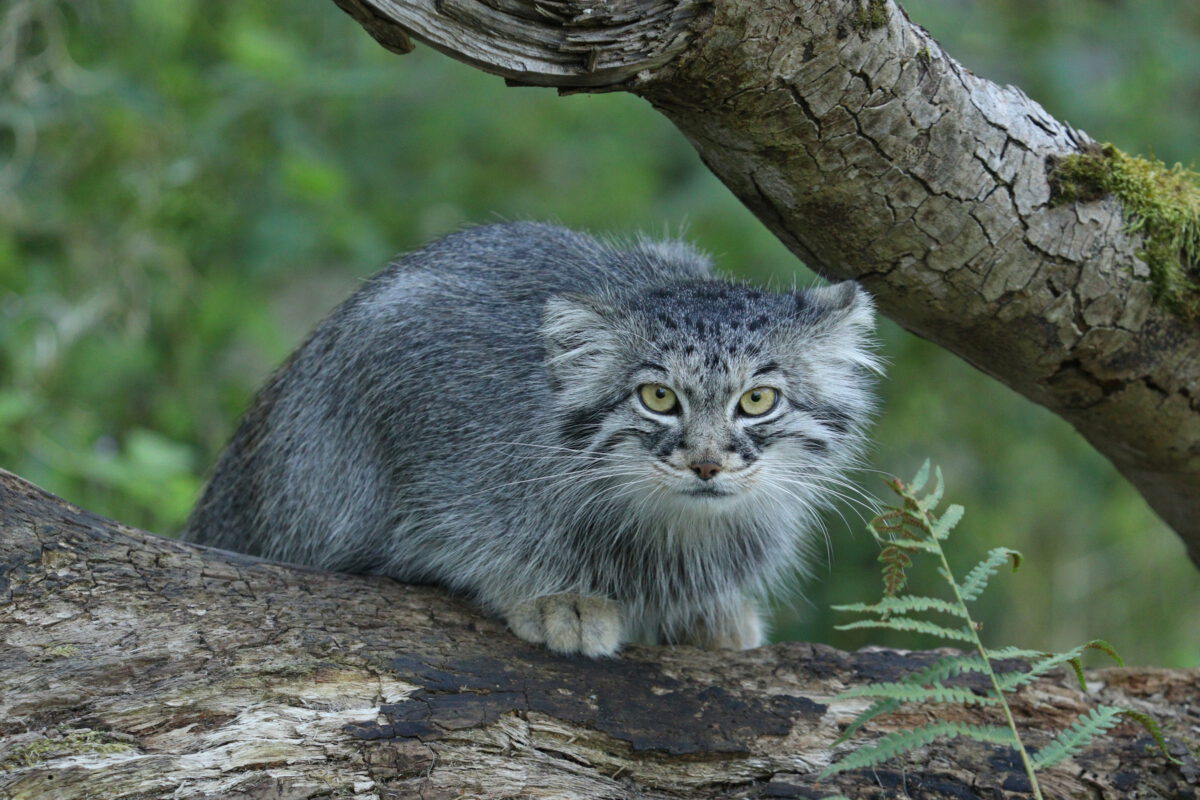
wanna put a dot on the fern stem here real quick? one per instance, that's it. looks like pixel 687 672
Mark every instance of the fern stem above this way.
pixel 991 673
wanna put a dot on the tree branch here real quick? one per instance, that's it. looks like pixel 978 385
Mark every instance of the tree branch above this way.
pixel 134 666
pixel 873 155
pixel 571 43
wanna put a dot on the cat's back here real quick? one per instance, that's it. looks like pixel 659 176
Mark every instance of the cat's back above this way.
pixel 518 265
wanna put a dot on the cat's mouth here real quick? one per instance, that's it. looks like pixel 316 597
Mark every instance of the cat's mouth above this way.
pixel 707 491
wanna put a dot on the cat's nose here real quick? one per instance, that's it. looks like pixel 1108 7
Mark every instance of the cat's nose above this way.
pixel 706 469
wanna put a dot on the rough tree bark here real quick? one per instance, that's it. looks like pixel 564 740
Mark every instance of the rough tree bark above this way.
pixel 133 666
pixel 874 155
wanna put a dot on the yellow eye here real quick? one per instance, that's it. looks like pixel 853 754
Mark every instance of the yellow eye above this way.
pixel 758 401
pixel 658 398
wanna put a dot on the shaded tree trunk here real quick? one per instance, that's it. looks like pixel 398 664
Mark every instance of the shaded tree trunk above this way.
pixel 873 155
pixel 133 666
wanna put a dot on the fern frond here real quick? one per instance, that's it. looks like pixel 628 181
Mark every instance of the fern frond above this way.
pixel 939 670
pixel 1105 647
pixel 977 579
pixel 946 522
pixel 914 545
pixel 896 563
pixel 1045 662
pixel 1013 652
pixel 920 479
pixel 1048 661
pixel 904 605
pixel 930 501
pixel 1152 727
pixel 910 624
pixel 899 742
pixel 908 693
pixel 1076 737
pixel 910 528
pixel 943 668
pixel 1094 644
pixel 871 712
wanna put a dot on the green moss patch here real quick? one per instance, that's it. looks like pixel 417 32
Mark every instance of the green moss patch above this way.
pixel 1161 202
pixel 871 15
pixel 69 744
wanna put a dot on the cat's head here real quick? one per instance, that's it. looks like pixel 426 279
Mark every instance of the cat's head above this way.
pixel 708 394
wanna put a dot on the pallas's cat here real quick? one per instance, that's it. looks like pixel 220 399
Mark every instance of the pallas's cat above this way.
pixel 598 444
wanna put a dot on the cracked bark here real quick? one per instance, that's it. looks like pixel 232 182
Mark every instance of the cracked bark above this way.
pixel 874 155
pixel 133 666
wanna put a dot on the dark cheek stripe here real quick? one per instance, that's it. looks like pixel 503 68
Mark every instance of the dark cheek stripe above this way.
pixel 578 426
pixel 835 419
pixel 651 441
pixel 758 436
pixel 831 417
pixel 815 445
pixel 749 445
pixel 666 442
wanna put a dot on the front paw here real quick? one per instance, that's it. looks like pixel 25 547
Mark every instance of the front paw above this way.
pixel 737 628
pixel 569 623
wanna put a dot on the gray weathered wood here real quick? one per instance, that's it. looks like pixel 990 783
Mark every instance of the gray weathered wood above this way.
pixel 547 42
pixel 874 155
pixel 133 666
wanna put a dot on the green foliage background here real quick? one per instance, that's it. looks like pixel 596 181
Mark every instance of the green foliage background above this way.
pixel 186 187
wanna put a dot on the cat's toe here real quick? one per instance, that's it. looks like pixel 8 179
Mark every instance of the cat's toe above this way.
pixel 570 623
pixel 739 627
pixel 588 625
pixel 525 620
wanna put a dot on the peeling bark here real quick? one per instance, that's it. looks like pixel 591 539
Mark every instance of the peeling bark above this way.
pixel 874 155
pixel 133 666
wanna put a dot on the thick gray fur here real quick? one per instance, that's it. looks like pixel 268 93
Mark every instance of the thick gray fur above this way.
pixel 470 417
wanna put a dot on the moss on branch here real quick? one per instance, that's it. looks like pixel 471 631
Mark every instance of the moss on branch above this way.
pixel 76 742
pixel 1162 203
pixel 872 14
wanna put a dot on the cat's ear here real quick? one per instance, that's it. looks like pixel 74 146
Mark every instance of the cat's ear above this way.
pixel 580 336
pixel 843 316
pixel 843 304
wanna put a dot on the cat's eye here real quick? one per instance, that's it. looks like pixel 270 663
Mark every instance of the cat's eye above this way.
pixel 758 401
pixel 658 398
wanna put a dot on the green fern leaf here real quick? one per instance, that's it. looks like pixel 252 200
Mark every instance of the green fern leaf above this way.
pixel 1080 678
pixel 913 545
pixel 904 605
pixel 1105 647
pixel 919 481
pixel 946 667
pixel 1152 727
pixel 1071 658
pixel 1095 644
pixel 953 514
pixel 899 742
pixel 1044 663
pixel 1041 663
pixel 1076 737
pixel 977 579
pixel 930 501
pixel 907 693
pixel 910 624
pixel 1014 652
pixel 871 712
pixel 943 668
